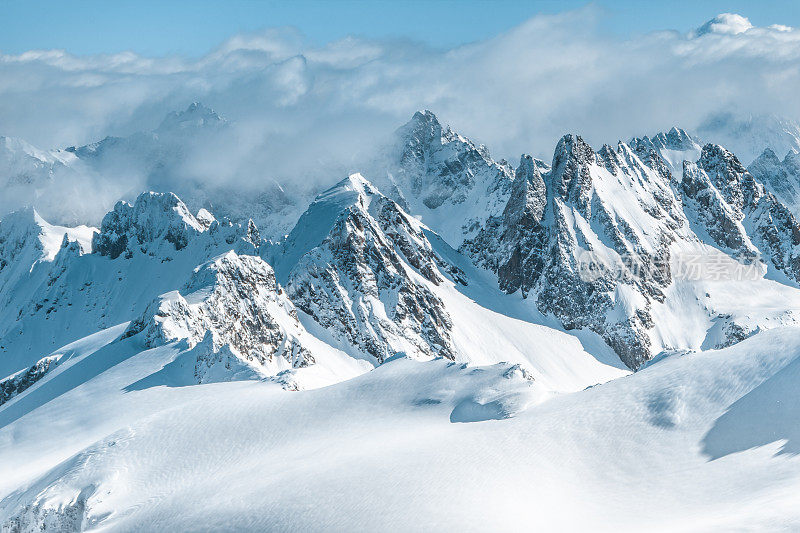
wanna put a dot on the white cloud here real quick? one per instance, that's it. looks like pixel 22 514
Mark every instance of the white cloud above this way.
pixel 303 111
pixel 726 24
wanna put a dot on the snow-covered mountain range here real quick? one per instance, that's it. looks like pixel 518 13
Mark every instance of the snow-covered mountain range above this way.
pixel 438 282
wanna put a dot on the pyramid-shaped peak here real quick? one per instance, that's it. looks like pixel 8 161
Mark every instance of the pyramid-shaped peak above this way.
pixel 425 117
pixel 347 190
pixel 527 166
pixel 423 127
pixel 678 133
pixel 572 146
pixel 769 155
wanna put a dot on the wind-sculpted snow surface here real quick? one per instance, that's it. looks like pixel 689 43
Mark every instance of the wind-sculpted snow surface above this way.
pixel 674 447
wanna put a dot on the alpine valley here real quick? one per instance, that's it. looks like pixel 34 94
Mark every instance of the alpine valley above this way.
pixel 609 339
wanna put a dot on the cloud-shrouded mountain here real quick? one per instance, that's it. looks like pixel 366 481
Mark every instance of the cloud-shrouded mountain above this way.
pixel 296 112
pixel 748 137
pixel 422 307
pixel 781 177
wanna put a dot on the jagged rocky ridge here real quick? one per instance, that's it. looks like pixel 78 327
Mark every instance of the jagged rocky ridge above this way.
pixel 553 223
pixel 589 240
pixel 739 214
pixel 618 212
pixel 19 382
pixel 666 152
pixel 230 320
pixel 451 182
pixel 168 158
pixel 781 178
pixel 63 293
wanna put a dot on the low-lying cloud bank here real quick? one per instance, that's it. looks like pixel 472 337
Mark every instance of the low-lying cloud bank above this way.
pixel 303 112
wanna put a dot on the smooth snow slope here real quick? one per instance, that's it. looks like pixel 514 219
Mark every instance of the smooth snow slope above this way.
pixel 416 446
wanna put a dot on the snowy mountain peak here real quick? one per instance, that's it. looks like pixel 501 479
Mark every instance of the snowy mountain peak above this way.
pixel 528 193
pixel 153 216
pixel 768 156
pixel 570 176
pixel 347 190
pixel 20 231
pixel 445 178
pixel 678 139
pixel 423 127
pixel 728 175
pixel 782 178
pixel 740 215
pixel 231 302
pixel 316 222
pixel 195 116
pixel 26 238
pixel 366 272
pixel 666 152
pixel 748 136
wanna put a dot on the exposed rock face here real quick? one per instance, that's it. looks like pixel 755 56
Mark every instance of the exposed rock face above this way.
pixel 514 244
pixel 627 247
pixel 23 380
pixel 553 223
pixel 451 181
pixel 588 240
pixel 368 281
pixel 676 139
pixel 666 152
pixel 153 217
pixel 720 220
pixel 572 177
pixel 64 293
pixel 457 164
pixel 619 211
pixel 159 224
pixel 237 301
pixel 739 214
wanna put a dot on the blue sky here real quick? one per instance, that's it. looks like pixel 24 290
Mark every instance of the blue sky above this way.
pixel 156 28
